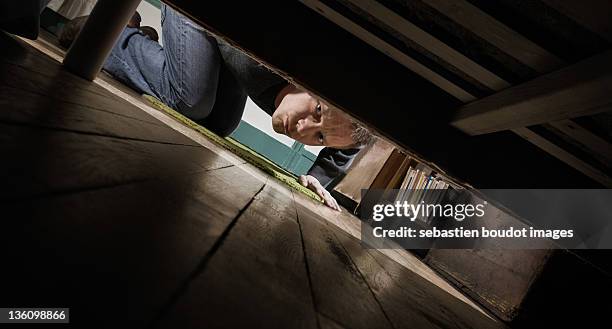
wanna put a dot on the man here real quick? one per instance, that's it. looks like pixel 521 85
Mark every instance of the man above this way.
pixel 208 81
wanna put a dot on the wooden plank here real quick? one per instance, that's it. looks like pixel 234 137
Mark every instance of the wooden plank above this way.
pixel 327 323
pixel 431 44
pixel 67 88
pixel 588 141
pixel 130 247
pixel 494 276
pixel 543 61
pixel 547 27
pixel 256 279
pixel 504 38
pixel 18 52
pixel 388 50
pixel 364 169
pixel 580 89
pixel 500 279
pixel 528 53
pixel 392 165
pixel 26 108
pixel 40 162
pixel 409 300
pixel 594 14
pixel 565 156
pixel 533 55
pixel 498 34
pixel 340 292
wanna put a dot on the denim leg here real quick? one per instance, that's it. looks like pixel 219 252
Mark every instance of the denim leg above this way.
pixel 183 74
pixel 192 61
pixel 137 61
pixel 229 105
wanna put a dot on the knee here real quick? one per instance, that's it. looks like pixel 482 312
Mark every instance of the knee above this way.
pixel 222 128
pixel 223 131
pixel 195 108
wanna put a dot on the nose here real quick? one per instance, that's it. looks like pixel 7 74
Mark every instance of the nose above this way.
pixel 306 127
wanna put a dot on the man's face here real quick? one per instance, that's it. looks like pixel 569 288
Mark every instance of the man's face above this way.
pixel 311 122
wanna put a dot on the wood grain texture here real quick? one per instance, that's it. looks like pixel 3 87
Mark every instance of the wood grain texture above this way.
pixel 64 87
pixel 26 108
pixel 431 44
pixel 39 162
pixel 256 279
pixel 497 34
pixel 130 246
pixel 565 156
pixel 389 50
pixel 340 292
pixel 594 14
pixel 327 323
pixel 499 278
pixel 581 89
pixel 409 300
pixel 364 169
pixel 526 51
pixel 350 224
pixel 585 139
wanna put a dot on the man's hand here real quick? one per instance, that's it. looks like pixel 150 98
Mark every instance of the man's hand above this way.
pixel 314 185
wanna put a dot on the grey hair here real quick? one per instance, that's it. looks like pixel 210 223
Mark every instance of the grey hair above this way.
pixel 360 135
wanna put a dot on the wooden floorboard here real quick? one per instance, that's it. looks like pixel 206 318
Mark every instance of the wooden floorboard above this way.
pixel 327 323
pixel 41 161
pixel 116 255
pixel 23 107
pixel 104 210
pixel 65 87
pixel 257 278
pixel 340 292
pixel 24 67
pixel 409 300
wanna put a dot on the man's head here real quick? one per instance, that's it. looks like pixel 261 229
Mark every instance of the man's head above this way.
pixel 310 121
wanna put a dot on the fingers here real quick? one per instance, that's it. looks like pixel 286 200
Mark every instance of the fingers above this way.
pixel 328 199
pixel 313 184
pixel 304 180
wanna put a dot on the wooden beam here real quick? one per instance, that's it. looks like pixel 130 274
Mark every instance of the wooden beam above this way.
pixel 564 156
pixel 588 141
pixel 498 34
pixel 581 89
pixel 430 43
pixel 389 50
pixel 539 59
pixel 535 56
pixel 593 14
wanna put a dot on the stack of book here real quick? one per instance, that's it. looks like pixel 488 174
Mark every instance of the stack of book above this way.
pixel 422 184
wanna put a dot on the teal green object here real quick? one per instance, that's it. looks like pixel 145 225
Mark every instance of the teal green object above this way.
pixel 156 3
pixel 295 159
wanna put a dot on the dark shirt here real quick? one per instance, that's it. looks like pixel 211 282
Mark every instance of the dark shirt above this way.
pixel 262 85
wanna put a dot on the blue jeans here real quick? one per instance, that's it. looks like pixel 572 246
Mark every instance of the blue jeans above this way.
pixel 188 73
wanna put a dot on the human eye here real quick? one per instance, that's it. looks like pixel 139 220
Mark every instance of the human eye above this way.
pixel 318 109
